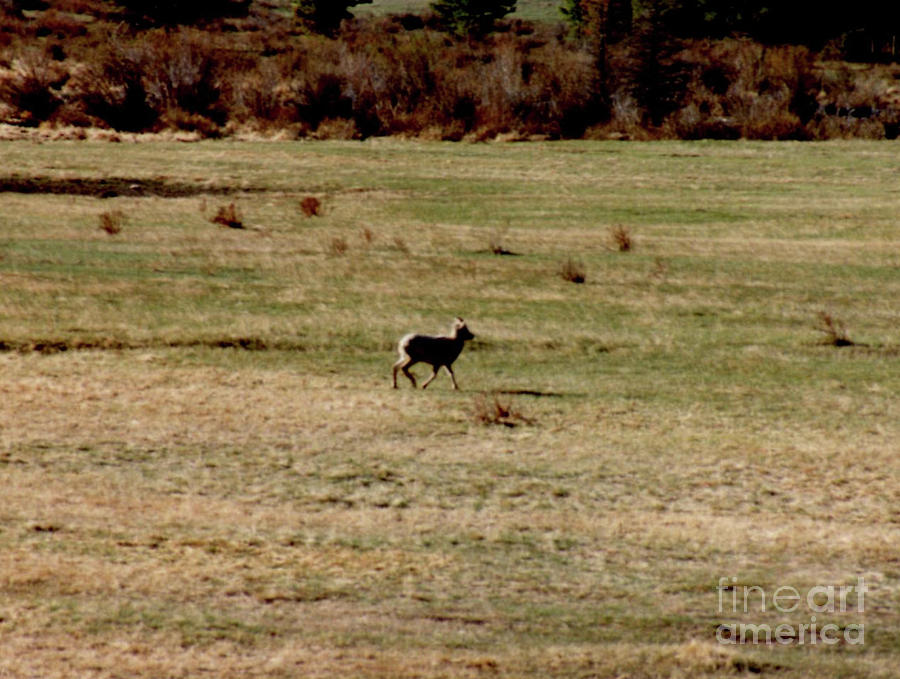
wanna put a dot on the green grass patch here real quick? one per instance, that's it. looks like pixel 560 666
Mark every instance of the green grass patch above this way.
pixel 202 457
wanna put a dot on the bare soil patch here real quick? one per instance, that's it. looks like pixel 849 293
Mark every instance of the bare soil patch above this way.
pixel 56 346
pixel 109 187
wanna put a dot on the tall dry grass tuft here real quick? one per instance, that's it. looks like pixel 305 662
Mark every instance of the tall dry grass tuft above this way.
pixel 228 215
pixel 112 222
pixel 621 238
pixel 833 330
pixel 490 410
pixel 573 271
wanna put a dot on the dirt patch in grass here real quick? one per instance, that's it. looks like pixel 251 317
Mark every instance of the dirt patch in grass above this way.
pixel 109 187
pixel 57 346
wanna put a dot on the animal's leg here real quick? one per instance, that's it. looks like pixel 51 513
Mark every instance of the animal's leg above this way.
pixel 433 375
pixel 403 364
pixel 452 377
pixel 412 378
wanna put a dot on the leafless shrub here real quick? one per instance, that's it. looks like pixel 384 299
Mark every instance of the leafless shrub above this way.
pixel 573 271
pixel 490 410
pixel 311 206
pixel 184 73
pixel 228 215
pixel 111 87
pixel 112 222
pixel 32 86
pixel 621 238
pixel 368 235
pixel 835 334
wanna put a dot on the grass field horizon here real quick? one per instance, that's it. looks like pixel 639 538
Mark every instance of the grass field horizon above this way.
pixel 534 10
pixel 204 468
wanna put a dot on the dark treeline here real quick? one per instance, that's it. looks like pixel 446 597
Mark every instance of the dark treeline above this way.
pixel 863 29
pixel 461 70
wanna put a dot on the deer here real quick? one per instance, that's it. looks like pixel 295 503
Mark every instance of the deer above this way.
pixel 436 351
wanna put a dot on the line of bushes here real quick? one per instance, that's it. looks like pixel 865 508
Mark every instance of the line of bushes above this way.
pixel 395 75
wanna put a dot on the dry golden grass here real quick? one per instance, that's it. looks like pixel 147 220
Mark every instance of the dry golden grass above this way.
pixel 206 471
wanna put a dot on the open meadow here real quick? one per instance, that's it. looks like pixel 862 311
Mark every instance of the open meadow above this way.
pixel 204 469
pixel 533 10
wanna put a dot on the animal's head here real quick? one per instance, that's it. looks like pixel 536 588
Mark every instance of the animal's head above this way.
pixel 461 330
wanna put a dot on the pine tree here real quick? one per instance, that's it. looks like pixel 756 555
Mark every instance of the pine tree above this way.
pixel 325 16
pixel 472 17
pixel 592 19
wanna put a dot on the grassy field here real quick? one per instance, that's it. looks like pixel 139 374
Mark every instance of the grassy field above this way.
pixel 534 10
pixel 204 470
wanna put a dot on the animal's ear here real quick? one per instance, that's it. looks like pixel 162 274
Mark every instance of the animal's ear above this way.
pixel 460 321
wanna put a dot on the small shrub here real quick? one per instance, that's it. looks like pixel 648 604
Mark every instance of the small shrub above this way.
pixel 621 238
pixel 311 206
pixel 33 87
pixel 112 221
pixel 368 235
pixel 835 334
pixel 488 410
pixel 228 215
pixel 338 246
pixel 183 73
pixel 111 87
pixel 573 271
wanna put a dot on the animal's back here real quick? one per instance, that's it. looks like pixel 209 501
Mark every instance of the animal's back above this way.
pixel 429 349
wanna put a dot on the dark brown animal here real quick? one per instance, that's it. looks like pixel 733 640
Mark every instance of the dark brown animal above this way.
pixel 435 351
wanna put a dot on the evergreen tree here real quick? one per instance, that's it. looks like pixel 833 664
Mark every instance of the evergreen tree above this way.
pixel 591 19
pixel 472 17
pixel 325 16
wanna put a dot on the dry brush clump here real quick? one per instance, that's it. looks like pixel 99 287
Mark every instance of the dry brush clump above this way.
pixel 311 206
pixel 488 409
pixel 228 215
pixel 621 238
pixel 573 271
pixel 399 76
pixel 368 82
pixel 112 222
pixel 741 89
pixel 833 330
pixel 31 87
